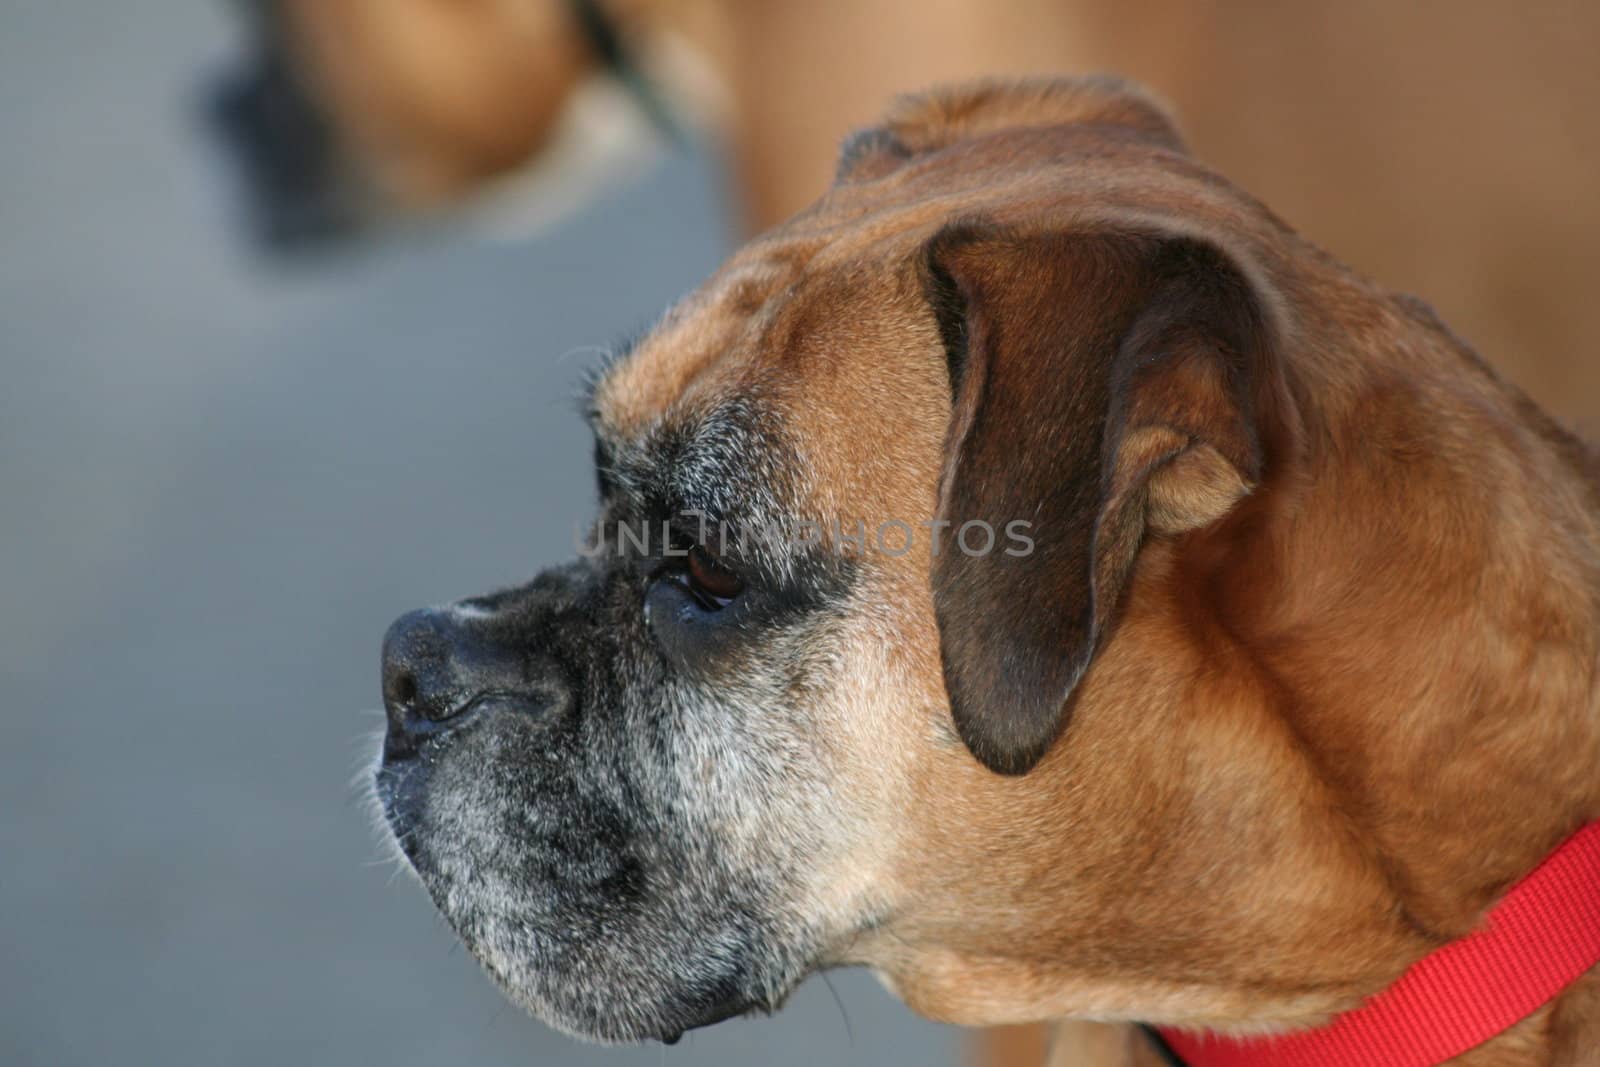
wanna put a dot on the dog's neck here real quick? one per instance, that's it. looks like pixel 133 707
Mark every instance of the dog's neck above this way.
pixel 1366 704
pixel 1482 751
pixel 1435 624
pixel 1434 633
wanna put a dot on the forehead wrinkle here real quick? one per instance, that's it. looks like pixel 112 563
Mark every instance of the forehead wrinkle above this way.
pixel 749 287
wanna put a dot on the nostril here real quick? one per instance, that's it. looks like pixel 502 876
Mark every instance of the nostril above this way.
pixel 403 689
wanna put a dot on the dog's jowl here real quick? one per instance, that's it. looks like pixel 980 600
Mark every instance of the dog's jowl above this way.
pixel 1037 574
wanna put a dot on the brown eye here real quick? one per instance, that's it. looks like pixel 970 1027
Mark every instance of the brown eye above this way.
pixel 713 583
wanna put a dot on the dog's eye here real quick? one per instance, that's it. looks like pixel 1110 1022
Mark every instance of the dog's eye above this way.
pixel 696 606
pixel 713 584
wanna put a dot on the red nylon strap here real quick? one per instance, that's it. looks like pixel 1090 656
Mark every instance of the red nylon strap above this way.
pixel 1539 939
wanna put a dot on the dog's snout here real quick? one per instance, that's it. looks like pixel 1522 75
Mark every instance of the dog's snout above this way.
pixel 419 689
pixel 437 671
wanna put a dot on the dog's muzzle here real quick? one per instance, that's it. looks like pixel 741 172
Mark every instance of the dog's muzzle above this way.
pixel 545 779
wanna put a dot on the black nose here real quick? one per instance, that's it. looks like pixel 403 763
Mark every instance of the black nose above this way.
pixel 443 666
pixel 436 672
pixel 420 692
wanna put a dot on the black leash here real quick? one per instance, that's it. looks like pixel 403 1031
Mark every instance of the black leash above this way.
pixel 602 35
pixel 1169 1056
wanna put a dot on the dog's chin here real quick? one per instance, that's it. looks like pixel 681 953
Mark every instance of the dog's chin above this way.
pixel 607 985
pixel 602 1024
pixel 588 1008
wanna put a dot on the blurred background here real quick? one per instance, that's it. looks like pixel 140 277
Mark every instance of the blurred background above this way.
pixel 295 296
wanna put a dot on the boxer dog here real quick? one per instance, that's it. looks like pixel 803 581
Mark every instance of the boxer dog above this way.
pixel 1296 675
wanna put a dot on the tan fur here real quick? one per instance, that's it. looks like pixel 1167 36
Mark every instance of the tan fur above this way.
pixel 1340 711
pixel 928 121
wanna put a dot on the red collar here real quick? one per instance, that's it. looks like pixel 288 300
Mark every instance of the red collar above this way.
pixel 1539 939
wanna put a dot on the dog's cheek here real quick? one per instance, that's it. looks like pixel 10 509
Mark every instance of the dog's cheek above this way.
pixel 886 719
pixel 805 775
pixel 545 877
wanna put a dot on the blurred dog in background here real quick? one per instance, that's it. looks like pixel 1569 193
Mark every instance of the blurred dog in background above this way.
pixel 352 115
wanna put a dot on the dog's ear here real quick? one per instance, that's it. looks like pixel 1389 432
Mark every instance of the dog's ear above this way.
pixel 926 122
pixel 1103 392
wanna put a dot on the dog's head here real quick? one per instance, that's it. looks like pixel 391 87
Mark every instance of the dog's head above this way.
pixel 876 649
